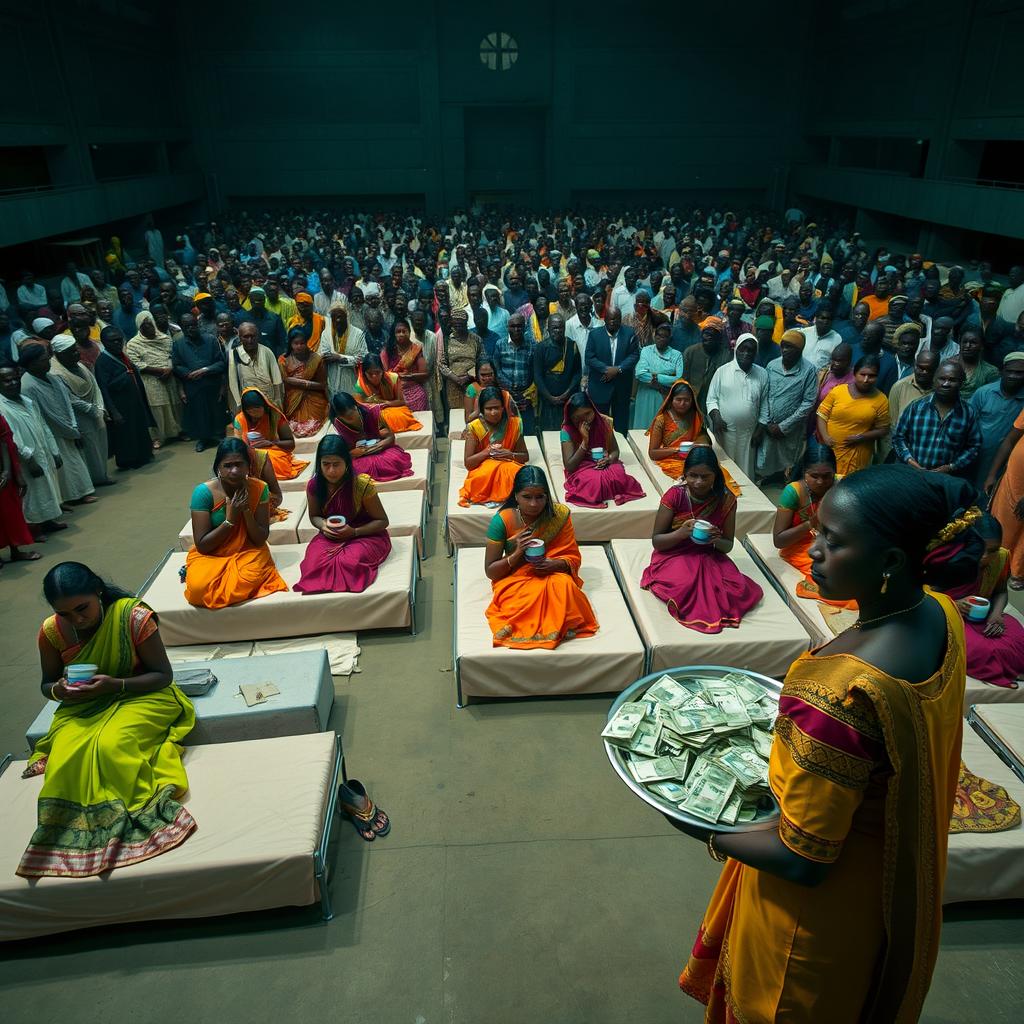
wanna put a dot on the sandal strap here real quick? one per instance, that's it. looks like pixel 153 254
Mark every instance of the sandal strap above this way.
pixel 365 816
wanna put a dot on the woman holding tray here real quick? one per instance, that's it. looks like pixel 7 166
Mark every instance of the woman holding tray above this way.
pixel 690 569
pixel 833 911
pixel 495 449
pixel 353 541
pixel 230 561
pixel 590 453
pixel 535 603
pixel 112 755
pixel 366 434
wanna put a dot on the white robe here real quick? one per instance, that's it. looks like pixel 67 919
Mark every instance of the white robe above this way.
pixel 740 399
pixel 87 403
pixel 33 440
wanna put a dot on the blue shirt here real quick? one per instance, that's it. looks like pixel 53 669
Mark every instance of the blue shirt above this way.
pixel 932 442
pixel 514 366
pixel 996 413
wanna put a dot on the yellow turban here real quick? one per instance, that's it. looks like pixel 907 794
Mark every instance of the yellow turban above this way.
pixel 303 297
pixel 795 338
pixel 713 322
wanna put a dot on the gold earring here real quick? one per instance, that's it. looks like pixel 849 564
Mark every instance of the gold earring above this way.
pixel 885 582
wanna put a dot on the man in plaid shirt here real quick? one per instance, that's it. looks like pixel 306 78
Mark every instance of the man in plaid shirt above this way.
pixel 939 432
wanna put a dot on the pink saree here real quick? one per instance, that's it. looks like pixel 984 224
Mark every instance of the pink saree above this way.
pixel 701 585
pixel 391 464
pixel 589 486
pixel 349 567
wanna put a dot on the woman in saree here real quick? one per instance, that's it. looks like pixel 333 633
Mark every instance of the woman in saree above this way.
pixel 486 377
pixel 375 386
pixel 592 482
pixel 495 449
pixel 111 759
pixel 229 561
pixel 307 320
pixel 404 358
pixel 677 422
pixel 535 604
pixel 698 581
pixel 995 644
pixel 343 557
pixel 832 911
pixel 853 417
pixel 263 426
pixel 796 518
pixel 304 374
pixel 459 351
pixel 365 432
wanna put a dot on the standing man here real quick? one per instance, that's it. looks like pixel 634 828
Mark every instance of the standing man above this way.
pixel 87 403
pixel 736 400
pixel 579 326
pixel 821 339
pixel 852 330
pixel 556 370
pixel 997 406
pixel 792 392
pixel 199 366
pixel 907 391
pixel 940 432
pixel 513 364
pixel 701 361
pixel 252 365
pixel 124 397
pixel 611 357
pixel 269 324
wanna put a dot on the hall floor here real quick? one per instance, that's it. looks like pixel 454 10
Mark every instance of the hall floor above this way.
pixel 522 882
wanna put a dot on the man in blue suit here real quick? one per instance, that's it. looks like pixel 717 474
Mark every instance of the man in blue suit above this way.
pixel 612 355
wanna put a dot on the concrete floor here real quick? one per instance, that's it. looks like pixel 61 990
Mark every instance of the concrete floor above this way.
pixel 522 882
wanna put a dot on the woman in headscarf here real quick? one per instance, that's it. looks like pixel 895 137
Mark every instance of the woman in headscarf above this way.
pixel 304 375
pixel 590 454
pixel 262 425
pixel 308 320
pixel 150 350
pixel 677 422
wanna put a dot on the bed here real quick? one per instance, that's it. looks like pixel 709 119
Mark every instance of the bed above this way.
pixel 303 705
pixel 456 423
pixel 264 809
pixel 284 531
pixel 306 446
pixel 633 519
pixel 1001 726
pixel 388 604
pixel 466 526
pixel 407 517
pixel 785 579
pixel 986 865
pixel 769 639
pixel 755 513
pixel 422 474
pixel 605 663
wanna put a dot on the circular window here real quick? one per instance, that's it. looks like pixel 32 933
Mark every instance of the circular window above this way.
pixel 498 51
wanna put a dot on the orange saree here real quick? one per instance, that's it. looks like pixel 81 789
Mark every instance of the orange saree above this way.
pixel 528 610
pixel 796 498
pixel 239 570
pixel 865 769
pixel 286 466
pixel 492 479
pixel 397 417
pixel 306 410
pixel 673 435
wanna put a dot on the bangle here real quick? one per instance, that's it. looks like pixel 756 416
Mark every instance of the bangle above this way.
pixel 124 684
pixel 53 696
pixel 714 853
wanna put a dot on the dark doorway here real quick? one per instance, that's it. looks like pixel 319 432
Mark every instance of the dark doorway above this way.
pixel 506 154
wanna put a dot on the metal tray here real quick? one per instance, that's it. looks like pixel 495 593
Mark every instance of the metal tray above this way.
pixel 666 807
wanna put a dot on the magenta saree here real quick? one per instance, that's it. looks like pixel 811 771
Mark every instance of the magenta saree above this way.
pixel 344 567
pixel 589 486
pixel 992 659
pixel 701 586
pixel 391 464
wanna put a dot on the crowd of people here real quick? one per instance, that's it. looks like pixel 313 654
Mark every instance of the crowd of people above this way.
pixel 884 393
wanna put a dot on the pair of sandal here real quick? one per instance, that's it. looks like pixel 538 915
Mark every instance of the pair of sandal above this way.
pixel 367 818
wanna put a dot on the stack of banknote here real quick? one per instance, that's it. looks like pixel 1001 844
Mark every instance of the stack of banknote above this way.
pixel 701 744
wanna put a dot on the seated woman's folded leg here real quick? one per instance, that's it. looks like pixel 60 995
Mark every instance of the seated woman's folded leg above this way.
pixel 529 611
pixel 330 567
pixel 219 581
pixel 594 488
pixel 490 481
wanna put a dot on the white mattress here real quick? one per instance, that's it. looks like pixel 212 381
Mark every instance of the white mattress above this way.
pixel 456 423
pixel 299 483
pixel 385 605
pixel 633 519
pixel 406 513
pixel 306 446
pixel 420 479
pixel 414 439
pixel 605 663
pixel 986 865
pixel 755 513
pixel 769 639
pixel 285 531
pixel 260 807
pixel 786 578
pixel 466 526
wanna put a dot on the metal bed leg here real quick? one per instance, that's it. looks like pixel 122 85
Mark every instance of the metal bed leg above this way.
pixel 320 870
